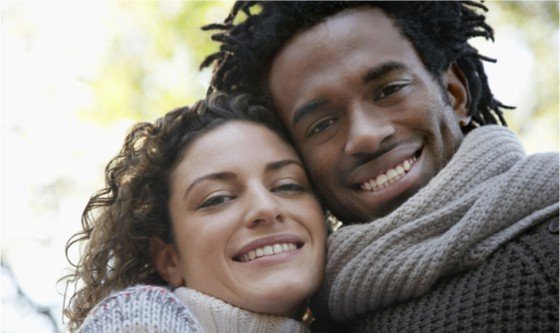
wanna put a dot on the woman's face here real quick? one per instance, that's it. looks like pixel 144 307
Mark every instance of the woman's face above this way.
pixel 247 227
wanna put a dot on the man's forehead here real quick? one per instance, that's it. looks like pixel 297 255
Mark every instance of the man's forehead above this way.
pixel 349 29
pixel 360 41
pixel 345 24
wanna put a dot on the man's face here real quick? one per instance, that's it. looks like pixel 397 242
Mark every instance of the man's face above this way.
pixel 370 121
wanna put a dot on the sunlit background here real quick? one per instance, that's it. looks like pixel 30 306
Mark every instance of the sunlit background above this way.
pixel 77 75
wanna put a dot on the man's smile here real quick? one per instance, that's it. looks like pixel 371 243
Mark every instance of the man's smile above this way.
pixel 388 177
pixel 383 170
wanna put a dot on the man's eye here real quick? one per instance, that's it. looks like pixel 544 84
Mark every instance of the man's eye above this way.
pixel 290 187
pixel 320 126
pixel 216 200
pixel 388 90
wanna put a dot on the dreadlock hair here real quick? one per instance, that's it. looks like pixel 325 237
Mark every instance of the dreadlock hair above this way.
pixel 438 30
pixel 119 220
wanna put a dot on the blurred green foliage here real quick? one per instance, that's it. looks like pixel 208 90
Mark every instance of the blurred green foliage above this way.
pixel 151 65
pixel 536 22
pixel 155 49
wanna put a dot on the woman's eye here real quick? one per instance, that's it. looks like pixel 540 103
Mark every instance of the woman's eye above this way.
pixel 389 90
pixel 216 200
pixel 320 126
pixel 290 187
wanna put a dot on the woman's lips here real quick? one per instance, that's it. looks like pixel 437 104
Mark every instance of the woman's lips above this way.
pixel 268 246
pixel 268 250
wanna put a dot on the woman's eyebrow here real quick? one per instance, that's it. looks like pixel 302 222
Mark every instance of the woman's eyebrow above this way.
pixel 226 175
pixel 272 166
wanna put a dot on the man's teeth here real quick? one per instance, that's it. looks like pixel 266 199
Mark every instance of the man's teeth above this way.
pixel 388 177
pixel 267 251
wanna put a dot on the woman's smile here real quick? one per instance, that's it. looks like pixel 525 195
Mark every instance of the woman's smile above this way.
pixel 247 227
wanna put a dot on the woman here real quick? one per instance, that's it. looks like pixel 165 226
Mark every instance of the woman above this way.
pixel 207 223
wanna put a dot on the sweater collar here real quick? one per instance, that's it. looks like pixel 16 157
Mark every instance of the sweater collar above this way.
pixel 215 315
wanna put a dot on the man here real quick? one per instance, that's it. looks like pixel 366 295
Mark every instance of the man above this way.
pixel 453 227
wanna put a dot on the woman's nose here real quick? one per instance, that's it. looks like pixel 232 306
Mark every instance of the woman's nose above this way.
pixel 263 208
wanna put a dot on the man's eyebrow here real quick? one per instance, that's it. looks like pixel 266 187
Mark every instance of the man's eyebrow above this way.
pixel 272 166
pixel 211 176
pixel 307 109
pixel 383 69
pixel 373 74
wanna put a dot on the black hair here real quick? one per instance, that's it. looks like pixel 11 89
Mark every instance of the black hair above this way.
pixel 438 30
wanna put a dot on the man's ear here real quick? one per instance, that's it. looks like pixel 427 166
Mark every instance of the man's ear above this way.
pixel 166 261
pixel 458 92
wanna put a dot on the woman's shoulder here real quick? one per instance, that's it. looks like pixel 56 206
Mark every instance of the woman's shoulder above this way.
pixel 142 308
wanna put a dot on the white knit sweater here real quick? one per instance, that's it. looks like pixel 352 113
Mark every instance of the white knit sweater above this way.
pixel 157 309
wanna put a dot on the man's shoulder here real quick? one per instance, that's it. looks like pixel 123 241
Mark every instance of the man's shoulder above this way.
pixel 551 159
pixel 516 289
pixel 141 308
pixel 543 237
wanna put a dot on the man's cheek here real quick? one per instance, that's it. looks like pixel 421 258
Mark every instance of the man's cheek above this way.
pixel 318 167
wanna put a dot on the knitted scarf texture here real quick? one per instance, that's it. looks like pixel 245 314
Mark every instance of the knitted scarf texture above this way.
pixel 487 194
pixel 215 315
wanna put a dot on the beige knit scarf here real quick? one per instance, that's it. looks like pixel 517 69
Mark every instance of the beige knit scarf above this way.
pixel 487 194
pixel 215 315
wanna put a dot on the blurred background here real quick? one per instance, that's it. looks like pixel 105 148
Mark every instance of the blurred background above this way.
pixel 77 75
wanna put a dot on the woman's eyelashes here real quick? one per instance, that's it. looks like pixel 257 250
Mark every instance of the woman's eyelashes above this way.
pixel 290 187
pixel 216 200
pixel 286 188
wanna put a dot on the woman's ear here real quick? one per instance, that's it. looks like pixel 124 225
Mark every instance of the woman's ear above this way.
pixel 458 92
pixel 165 259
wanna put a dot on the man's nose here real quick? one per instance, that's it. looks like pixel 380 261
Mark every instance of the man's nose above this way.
pixel 367 130
pixel 262 207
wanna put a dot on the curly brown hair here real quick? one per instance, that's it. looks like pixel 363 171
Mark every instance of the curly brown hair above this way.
pixel 118 220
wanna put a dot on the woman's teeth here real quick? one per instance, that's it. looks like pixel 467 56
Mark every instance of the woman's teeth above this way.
pixel 388 177
pixel 267 251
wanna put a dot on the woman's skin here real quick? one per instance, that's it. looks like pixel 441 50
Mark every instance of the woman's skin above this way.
pixel 247 227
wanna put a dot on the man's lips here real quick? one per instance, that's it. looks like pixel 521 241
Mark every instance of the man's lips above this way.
pixel 267 246
pixel 389 177
pixel 386 169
